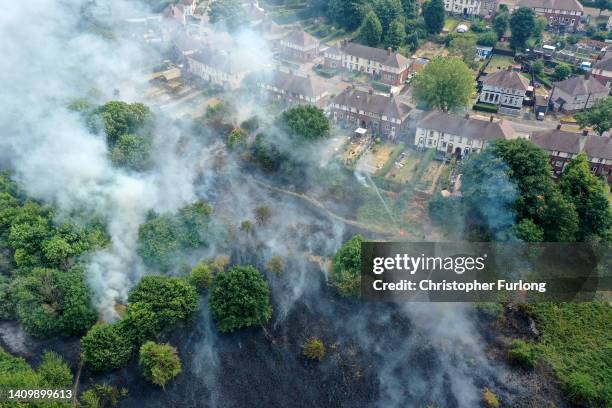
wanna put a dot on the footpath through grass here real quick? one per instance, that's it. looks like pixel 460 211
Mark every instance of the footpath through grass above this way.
pixel 576 340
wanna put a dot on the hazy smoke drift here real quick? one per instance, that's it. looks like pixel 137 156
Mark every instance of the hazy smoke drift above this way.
pixel 47 61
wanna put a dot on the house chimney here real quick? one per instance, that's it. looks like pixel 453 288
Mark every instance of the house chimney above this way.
pixel 389 51
pixel 467 115
pixel 585 132
pixel 587 75
pixel 559 126
pixel 370 91
pixel 509 68
pixel 491 118
pixel 344 43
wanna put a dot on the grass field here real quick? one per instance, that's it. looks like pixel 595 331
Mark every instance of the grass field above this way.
pixel 499 62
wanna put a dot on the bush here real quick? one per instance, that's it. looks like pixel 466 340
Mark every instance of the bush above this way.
pixel 484 107
pixel 346 271
pixel 275 265
pixel 200 276
pixel 105 347
pixel 239 298
pixel 522 354
pixel 160 362
pixel 581 389
pixel 314 349
pixel 489 399
pixel 53 371
pixel 101 396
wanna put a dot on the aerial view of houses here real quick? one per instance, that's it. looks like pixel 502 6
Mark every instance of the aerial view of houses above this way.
pixel 305 203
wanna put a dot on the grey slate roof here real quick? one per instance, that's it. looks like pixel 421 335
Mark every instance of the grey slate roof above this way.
pixel 558 140
pixel 217 59
pixel 552 4
pixel 506 79
pixel 599 147
pixel 581 86
pixel 374 103
pixel 309 86
pixel 605 64
pixel 469 127
pixel 301 38
pixel 392 59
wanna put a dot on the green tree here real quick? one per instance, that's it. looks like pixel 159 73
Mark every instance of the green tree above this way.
pixel 413 42
pixel 396 36
pixel 562 71
pixel 132 152
pixel 53 371
pixel 140 323
pixel 599 117
pixel 50 302
pixel 370 30
pixel 201 276
pixel 487 38
pixel 160 362
pixel 464 47
pixel 445 83
pixel 501 23
pixel 433 12
pixel 537 66
pixel 347 13
pixel 522 25
pixel 119 118
pixel 276 265
pixel 228 12
pixel 237 139
pixel 527 231
pixel 239 298
pixel 540 26
pixel 590 197
pixel 603 5
pixel 314 349
pixel 170 298
pixel 305 122
pixel 105 347
pixel 411 8
pixel 346 268
pixel 388 11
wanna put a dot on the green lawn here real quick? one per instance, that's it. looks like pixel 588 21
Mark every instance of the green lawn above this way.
pixel 451 23
pixel 576 341
pixel 499 62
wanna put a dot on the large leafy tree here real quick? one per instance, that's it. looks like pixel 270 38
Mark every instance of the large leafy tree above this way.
pixel 599 116
pixel 562 71
pixel 105 347
pixel 411 8
pixel 347 13
pixel 370 30
pixel 119 118
pixel 240 298
pixel 522 25
pixel 229 12
pixel 50 302
pixel 396 36
pixel 388 11
pixel 160 362
pixel 445 83
pixel 464 47
pixel 305 122
pixel 590 197
pixel 132 152
pixel 501 22
pixel 346 268
pixel 433 12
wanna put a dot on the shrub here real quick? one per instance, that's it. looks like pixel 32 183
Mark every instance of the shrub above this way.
pixel 522 354
pixel 314 349
pixel 483 107
pixel 581 389
pixel 275 265
pixel 53 371
pixel 239 298
pixel 346 271
pixel 489 399
pixel 160 362
pixel 201 276
pixel 105 347
pixel 102 396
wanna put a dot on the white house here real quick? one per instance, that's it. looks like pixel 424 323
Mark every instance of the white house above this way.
pixel 471 7
pixel 217 67
pixel 506 89
pixel 459 135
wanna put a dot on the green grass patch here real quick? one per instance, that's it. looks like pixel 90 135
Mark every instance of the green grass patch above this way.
pixel 451 23
pixel 499 62
pixel 485 107
pixel 576 340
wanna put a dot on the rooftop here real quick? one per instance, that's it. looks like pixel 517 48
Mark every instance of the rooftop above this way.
pixel 506 79
pixel 581 85
pixel 301 38
pixel 465 126
pixel 556 140
pixel 371 102
pixel 308 86
pixel 573 5
pixel 385 57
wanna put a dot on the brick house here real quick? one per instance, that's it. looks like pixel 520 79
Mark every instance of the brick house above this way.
pixel 382 115
pixel 299 45
pixel 506 89
pixel 471 7
pixel 384 65
pixel 292 88
pixel 459 135
pixel 577 94
pixel 216 67
pixel 563 15
pixel 602 70
pixel 563 146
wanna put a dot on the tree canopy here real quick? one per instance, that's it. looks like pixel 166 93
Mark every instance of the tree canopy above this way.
pixel 229 12
pixel 396 36
pixel 501 23
pixel 105 347
pixel 388 11
pixel 599 116
pixel 240 298
pixel 160 362
pixel 433 12
pixel 305 122
pixel 562 71
pixel 445 83
pixel 346 268
pixel 370 31
pixel 522 25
